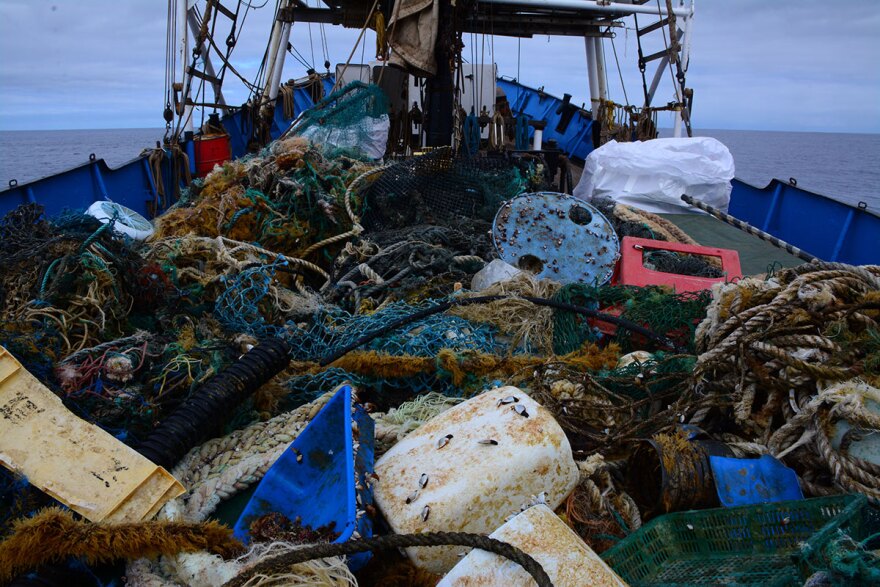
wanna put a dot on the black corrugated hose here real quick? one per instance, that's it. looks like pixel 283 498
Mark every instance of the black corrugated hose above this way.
pixel 203 414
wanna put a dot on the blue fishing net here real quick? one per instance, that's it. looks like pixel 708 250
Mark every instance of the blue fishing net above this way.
pixel 241 306
pixel 334 330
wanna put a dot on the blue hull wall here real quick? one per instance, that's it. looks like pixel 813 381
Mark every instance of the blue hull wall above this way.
pixel 130 184
pixel 823 227
pixel 576 139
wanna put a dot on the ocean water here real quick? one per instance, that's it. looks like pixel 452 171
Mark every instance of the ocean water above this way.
pixel 841 166
pixel 26 155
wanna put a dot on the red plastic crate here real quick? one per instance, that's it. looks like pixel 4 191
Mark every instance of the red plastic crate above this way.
pixel 631 269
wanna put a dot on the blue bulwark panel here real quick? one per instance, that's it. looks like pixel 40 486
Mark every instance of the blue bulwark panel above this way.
pixel 571 127
pixel 131 184
pixel 825 228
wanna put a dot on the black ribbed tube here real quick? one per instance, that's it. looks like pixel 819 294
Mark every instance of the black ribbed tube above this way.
pixel 203 414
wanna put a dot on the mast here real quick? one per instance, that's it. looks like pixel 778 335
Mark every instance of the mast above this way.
pixel 277 52
pixel 600 68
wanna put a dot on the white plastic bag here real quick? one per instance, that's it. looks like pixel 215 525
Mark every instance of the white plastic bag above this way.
pixel 492 273
pixel 653 175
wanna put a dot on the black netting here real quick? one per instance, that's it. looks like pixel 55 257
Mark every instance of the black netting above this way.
pixel 440 188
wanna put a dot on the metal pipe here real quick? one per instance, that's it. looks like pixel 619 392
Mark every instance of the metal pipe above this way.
pixel 600 69
pixel 592 75
pixel 273 49
pixel 279 62
pixel 611 8
pixel 658 75
pixel 686 43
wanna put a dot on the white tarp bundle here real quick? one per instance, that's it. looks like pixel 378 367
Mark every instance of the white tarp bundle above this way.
pixel 652 175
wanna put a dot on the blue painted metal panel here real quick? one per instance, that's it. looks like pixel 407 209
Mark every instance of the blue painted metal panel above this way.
pixel 130 184
pixel 576 140
pixel 826 228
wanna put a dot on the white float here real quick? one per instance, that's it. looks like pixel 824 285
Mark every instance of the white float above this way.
pixel 542 535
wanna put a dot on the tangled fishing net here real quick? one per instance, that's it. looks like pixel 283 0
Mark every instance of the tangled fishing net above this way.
pixel 363 270
pixel 287 199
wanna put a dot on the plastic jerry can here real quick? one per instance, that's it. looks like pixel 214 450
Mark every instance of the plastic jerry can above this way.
pixel 470 468
pixel 541 534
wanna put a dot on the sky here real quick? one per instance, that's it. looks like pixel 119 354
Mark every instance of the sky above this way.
pixel 793 65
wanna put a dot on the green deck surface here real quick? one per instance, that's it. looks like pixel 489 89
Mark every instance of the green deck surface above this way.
pixel 755 256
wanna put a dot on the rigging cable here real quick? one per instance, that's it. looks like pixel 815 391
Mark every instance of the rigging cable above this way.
pixel 311 42
pixel 294 52
pixel 518 55
pixel 356 43
pixel 619 72
pixel 642 65
pixel 168 114
pixel 324 47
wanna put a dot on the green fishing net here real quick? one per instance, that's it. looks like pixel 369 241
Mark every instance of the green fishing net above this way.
pixel 354 118
pixel 657 308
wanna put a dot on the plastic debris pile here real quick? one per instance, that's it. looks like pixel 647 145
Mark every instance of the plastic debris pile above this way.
pixel 364 271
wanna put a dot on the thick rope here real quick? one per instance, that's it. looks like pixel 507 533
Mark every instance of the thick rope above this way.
pixel 279 563
pixel 356 227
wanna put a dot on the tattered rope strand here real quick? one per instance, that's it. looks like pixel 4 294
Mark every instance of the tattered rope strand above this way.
pixel 356 227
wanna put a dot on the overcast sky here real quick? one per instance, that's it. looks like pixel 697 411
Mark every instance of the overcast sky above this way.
pixel 808 65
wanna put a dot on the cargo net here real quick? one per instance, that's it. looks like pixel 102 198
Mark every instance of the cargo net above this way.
pixel 354 118
pixel 442 189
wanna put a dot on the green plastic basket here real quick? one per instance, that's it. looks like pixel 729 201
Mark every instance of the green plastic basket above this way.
pixel 748 545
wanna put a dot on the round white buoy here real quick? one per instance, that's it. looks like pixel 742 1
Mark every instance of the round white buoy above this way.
pixel 128 222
